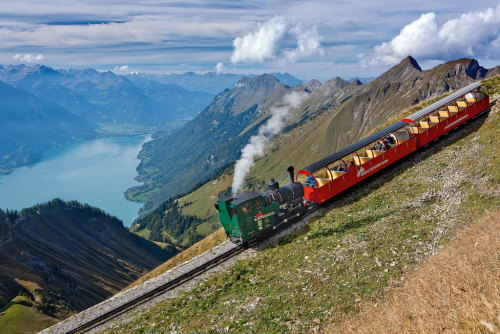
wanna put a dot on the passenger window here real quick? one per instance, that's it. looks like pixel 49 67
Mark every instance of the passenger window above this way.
pixel 257 204
pixel 247 207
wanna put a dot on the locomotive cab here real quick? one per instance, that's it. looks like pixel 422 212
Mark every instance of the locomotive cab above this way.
pixel 246 215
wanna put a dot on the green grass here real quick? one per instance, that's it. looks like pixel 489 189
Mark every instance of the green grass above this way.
pixel 20 319
pixel 363 243
pixel 141 195
pixel 207 228
pixel 144 233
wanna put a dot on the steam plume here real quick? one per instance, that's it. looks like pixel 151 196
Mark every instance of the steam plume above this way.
pixel 258 142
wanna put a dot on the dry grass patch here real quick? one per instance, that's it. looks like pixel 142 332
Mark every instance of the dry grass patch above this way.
pixel 457 291
pixel 199 248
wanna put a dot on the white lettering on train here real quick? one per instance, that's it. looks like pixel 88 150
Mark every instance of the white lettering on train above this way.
pixel 363 172
pixel 455 122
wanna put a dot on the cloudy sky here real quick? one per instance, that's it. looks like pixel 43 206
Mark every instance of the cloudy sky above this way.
pixel 309 39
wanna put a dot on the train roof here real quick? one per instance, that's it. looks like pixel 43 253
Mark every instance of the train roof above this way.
pixel 353 147
pixel 241 197
pixel 459 93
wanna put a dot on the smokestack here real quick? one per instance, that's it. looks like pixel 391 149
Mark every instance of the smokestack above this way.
pixel 290 174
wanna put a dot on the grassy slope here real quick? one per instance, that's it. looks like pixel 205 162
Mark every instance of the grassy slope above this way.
pixel 456 290
pixel 20 317
pixel 365 241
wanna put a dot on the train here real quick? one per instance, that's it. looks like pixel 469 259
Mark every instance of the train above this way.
pixel 249 215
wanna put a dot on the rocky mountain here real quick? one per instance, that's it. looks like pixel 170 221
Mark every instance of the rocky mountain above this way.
pixel 64 257
pixel 210 82
pixel 107 97
pixel 30 125
pixel 334 115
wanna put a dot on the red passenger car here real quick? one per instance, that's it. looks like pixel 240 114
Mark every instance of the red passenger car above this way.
pixel 330 176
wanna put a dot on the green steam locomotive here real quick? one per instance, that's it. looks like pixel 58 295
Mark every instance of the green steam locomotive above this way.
pixel 250 214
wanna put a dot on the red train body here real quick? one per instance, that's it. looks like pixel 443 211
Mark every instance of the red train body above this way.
pixel 345 168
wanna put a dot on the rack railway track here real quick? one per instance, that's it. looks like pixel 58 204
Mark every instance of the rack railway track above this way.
pixel 176 282
pixel 108 316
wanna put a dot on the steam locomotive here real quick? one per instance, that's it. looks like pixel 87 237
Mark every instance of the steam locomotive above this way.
pixel 250 213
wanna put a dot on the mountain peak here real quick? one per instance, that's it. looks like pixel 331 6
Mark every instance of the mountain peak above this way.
pixel 401 71
pixel 336 83
pixel 257 81
pixel 356 82
pixel 410 61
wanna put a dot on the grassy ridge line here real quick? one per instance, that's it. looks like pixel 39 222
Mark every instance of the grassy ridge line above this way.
pixel 365 241
pixel 21 317
pixel 456 290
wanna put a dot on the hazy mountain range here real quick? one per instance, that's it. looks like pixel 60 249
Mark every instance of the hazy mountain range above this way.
pixel 107 97
pixel 29 125
pixel 210 82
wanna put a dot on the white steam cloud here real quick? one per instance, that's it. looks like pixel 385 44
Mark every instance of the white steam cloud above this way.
pixel 470 35
pixel 220 68
pixel 28 58
pixel 267 43
pixel 257 144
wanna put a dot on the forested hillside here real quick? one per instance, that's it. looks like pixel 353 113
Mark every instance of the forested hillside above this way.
pixel 63 257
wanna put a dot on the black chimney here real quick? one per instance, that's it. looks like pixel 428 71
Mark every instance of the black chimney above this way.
pixel 290 174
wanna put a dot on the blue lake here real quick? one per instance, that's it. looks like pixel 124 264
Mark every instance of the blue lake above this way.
pixel 96 172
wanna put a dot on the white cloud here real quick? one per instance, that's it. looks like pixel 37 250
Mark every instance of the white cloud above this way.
pixel 220 68
pixel 471 35
pixel 28 58
pixel 267 43
pixel 308 43
pixel 263 44
pixel 121 68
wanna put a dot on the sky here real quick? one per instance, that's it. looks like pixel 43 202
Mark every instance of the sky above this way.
pixel 308 39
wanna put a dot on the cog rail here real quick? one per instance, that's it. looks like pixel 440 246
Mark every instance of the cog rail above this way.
pixel 158 291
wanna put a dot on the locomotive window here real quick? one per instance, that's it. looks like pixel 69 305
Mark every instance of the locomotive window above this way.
pixel 257 204
pixel 247 207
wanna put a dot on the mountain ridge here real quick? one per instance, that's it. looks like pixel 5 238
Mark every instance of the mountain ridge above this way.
pixel 107 97
pixel 70 256
pixel 210 82
pixel 30 125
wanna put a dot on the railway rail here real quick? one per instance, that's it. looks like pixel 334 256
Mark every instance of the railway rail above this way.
pixel 102 319
pixel 176 282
